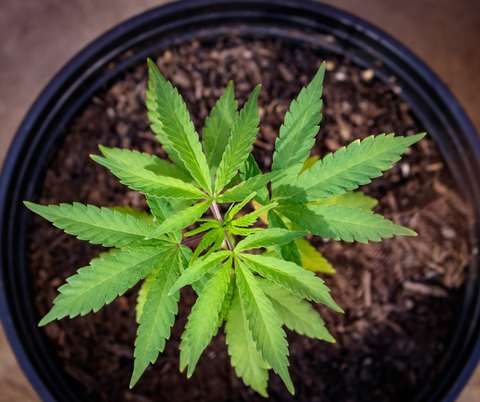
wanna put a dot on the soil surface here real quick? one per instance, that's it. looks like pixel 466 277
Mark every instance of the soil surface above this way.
pixel 400 296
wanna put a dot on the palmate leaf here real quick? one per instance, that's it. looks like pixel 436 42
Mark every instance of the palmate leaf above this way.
pixel 97 225
pixel 158 316
pixel 297 134
pixel 235 208
pixel 297 314
pixel 269 237
pixel 352 199
pixel 105 279
pixel 199 268
pixel 239 146
pixel 342 223
pixel 180 220
pixel 263 321
pixel 347 168
pixel 178 128
pixel 203 320
pixel 245 188
pixel 245 357
pixel 288 251
pixel 149 162
pixel 218 127
pixel 293 278
pixel 149 183
pixel 312 259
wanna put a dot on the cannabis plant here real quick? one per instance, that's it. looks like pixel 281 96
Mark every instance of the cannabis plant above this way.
pixel 254 293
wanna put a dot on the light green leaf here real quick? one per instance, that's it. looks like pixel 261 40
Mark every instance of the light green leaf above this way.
pixel 248 362
pixel 143 292
pixel 312 259
pixel 203 320
pixel 245 188
pixel 97 225
pixel 269 237
pixel 249 170
pixel 297 134
pixel 136 213
pixel 235 208
pixel 216 236
pixel 158 316
pixel 288 251
pixel 240 142
pixel 347 168
pixel 162 210
pixel 293 278
pixel 204 227
pixel 149 162
pixel 352 199
pixel 180 220
pixel 103 280
pixel 297 314
pixel 149 183
pixel 342 223
pixel 200 268
pixel 218 127
pixel 178 128
pixel 251 218
pixel 263 321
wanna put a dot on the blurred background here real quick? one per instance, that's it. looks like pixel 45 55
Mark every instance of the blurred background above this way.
pixel 37 37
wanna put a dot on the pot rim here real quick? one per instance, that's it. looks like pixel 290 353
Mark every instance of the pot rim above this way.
pixel 112 43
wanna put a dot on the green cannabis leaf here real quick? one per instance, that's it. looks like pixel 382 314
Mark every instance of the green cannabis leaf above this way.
pixel 254 292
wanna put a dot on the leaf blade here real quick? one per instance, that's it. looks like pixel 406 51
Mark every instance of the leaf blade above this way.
pixel 269 237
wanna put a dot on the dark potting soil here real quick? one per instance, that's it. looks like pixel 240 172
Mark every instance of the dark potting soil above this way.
pixel 400 296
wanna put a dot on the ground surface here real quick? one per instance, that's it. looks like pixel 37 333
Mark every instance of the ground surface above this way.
pixel 38 37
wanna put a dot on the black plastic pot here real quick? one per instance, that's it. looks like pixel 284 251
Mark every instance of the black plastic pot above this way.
pixel 313 24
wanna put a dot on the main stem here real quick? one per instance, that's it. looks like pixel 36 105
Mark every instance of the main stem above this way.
pixel 218 217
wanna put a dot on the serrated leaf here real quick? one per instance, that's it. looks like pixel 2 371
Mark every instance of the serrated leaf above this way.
pixel 293 278
pixel 244 231
pixel 352 199
pixel 162 210
pixel 248 362
pixel 288 251
pixel 294 312
pixel 203 320
pixel 158 316
pixel 245 188
pixel 178 128
pixel 181 220
pixel 214 236
pixel 297 134
pixel 239 146
pixel 263 321
pixel 97 225
pixel 218 127
pixel 149 162
pixel 199 268
pixel 143 292
pixel 235 208
pixel 249 170
pixel 342 223
pixel 103 280
pixel 312 259
pixel 269 237
pixel 203 228
pixel 149 183
pixel 251 218
pixel 347 168
pixel 136 213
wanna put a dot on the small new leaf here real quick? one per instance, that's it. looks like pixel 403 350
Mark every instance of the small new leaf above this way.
pixel 270 237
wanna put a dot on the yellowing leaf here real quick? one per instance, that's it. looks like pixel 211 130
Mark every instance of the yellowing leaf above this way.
pixel 312 259
pixel 309 163
pixel 263 216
